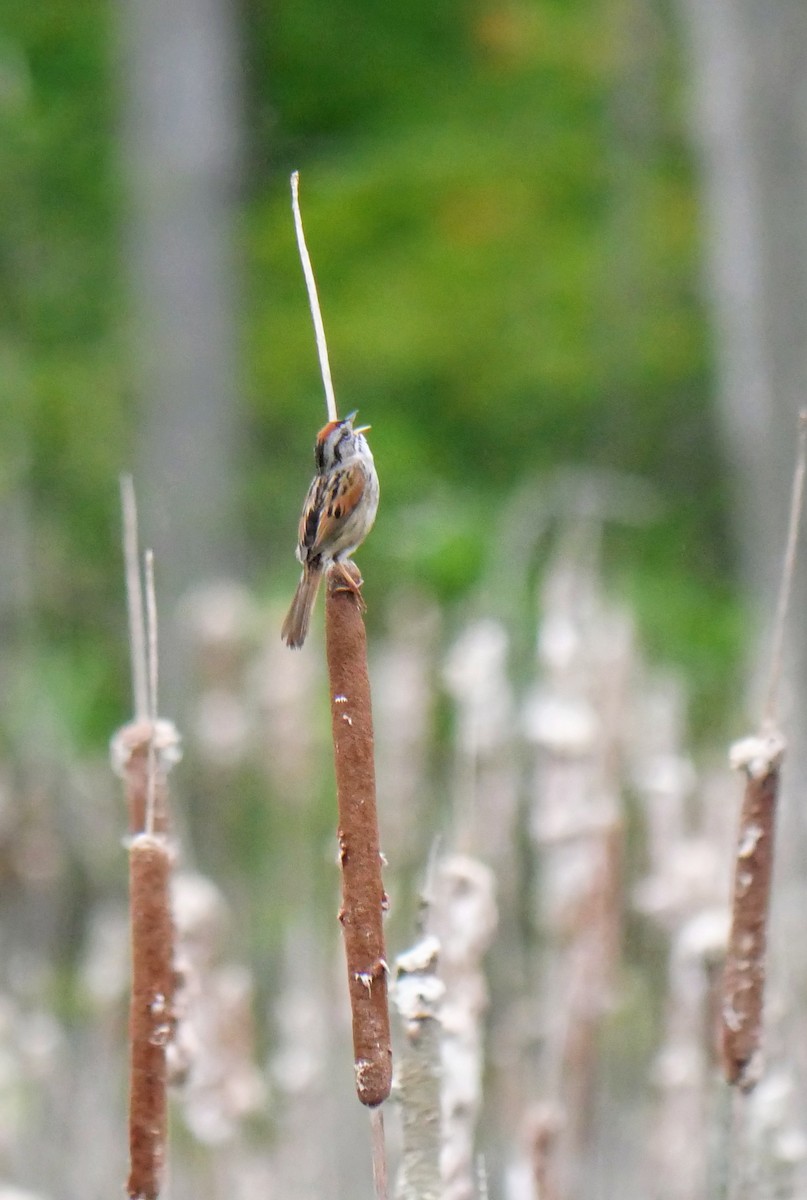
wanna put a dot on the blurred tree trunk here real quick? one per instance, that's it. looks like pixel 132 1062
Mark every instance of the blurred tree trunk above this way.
pixel 181 145
pixel 749 77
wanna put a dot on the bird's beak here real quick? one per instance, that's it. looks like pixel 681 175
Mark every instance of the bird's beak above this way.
pixel 350 418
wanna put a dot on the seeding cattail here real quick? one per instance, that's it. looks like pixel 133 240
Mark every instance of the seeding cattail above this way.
pixel 760 758
pixel 463 915
pixel 418 995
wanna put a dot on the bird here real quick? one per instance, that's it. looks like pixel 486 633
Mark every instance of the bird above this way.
pixel 338 513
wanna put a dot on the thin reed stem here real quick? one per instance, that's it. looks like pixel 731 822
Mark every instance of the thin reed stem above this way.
pixel 134 747
pixel 313 299
pixel 788 571
pixel 134 599
pixel 380 1177
pixel 153 663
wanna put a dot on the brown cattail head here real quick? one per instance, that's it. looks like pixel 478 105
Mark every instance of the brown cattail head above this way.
pixel 744 977
pixel 363 896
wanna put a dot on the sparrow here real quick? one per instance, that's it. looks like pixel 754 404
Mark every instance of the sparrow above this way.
pixel 338 513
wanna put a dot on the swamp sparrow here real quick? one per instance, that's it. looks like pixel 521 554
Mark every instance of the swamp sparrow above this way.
pixel 338 513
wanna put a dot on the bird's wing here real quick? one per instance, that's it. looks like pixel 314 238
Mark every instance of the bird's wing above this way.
pixel 330 503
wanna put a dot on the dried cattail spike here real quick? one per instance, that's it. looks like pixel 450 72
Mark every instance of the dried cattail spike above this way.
pixel 363 896
pixel 744 978
pixel 151 1020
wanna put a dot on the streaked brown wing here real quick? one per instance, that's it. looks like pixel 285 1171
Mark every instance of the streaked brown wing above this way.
pixel 339 499
pixel 309 519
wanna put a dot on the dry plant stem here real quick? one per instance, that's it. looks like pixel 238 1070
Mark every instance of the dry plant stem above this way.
pixel 134 598
pixel 153 667
pixel 728 1147
pixel 363 897
pixel 151 1013
pixel 744 978
pixel 313 298
pixel 788 570
pixel 380 1178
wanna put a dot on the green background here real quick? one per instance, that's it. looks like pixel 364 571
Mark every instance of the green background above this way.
pixel 500 204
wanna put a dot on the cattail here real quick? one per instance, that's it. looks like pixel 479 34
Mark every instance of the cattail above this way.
pixel 744 979
pixel 142 753
pixel 363 896
pixel 151 1019
pixel 760 758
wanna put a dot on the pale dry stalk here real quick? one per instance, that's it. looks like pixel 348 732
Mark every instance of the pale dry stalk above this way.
pixel 418 995
pixel 464 917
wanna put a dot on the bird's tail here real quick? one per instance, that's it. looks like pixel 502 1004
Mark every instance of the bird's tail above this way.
pixel 298 618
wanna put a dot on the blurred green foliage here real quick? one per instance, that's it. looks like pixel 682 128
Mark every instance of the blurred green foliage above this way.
pixel 63 425
pixel 499 201
pixel 500 204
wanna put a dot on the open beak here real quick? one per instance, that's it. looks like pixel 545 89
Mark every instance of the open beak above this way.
pixel 350 418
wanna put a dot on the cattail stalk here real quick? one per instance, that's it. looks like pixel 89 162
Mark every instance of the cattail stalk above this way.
pixel 379 1148
pixel 760 758
pixel 363 896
